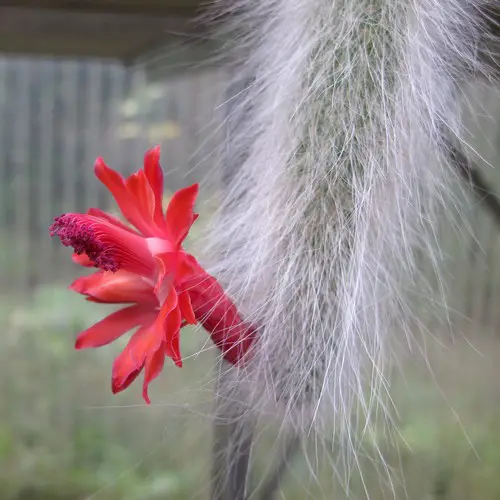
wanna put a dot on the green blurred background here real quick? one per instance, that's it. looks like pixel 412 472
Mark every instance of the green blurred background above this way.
pixel 64 436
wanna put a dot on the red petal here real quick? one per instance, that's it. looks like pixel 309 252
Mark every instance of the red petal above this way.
pixel 169 305
pixel 219 316
pixel 138 186
pixel 180 215
pixel 124 199
pixel 120 384
pixel 168 324
pixel 115 288
pixel 153 367
pixel 114 326
pixel 186 308
pixel 148 340
pixel 167 263
pixel 175 267
pixel 154 174
pixel 188 267
pixel 96 212
pixel 130 362
pixel 82 260
pixel 172 326
pixel 144 344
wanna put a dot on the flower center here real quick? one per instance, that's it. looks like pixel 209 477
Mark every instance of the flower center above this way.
pixel 107 245
pixel 73 232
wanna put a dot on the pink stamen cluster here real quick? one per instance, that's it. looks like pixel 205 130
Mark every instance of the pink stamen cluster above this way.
pixel 81 236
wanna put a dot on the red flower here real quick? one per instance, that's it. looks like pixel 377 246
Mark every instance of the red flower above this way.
pixel 147 268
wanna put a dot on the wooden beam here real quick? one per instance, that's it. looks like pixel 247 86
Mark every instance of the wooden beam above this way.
pixel 65 33
pixel 140 7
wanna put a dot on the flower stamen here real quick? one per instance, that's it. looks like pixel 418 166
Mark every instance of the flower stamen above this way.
pixel 108 246
pixel 73 232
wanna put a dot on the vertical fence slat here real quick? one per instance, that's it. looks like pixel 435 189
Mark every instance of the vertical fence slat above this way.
pixel 174 159
pixel 70 131
pixel 21 159
pixel 117 97
pixel 4 180
pixel 8 391
pixel 46 167
pixel 140 90
pixel 91 131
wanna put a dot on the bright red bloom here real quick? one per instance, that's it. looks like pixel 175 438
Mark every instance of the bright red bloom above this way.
pixel 147 268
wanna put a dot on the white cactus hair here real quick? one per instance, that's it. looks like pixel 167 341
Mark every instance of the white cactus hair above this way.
pixel 338 151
